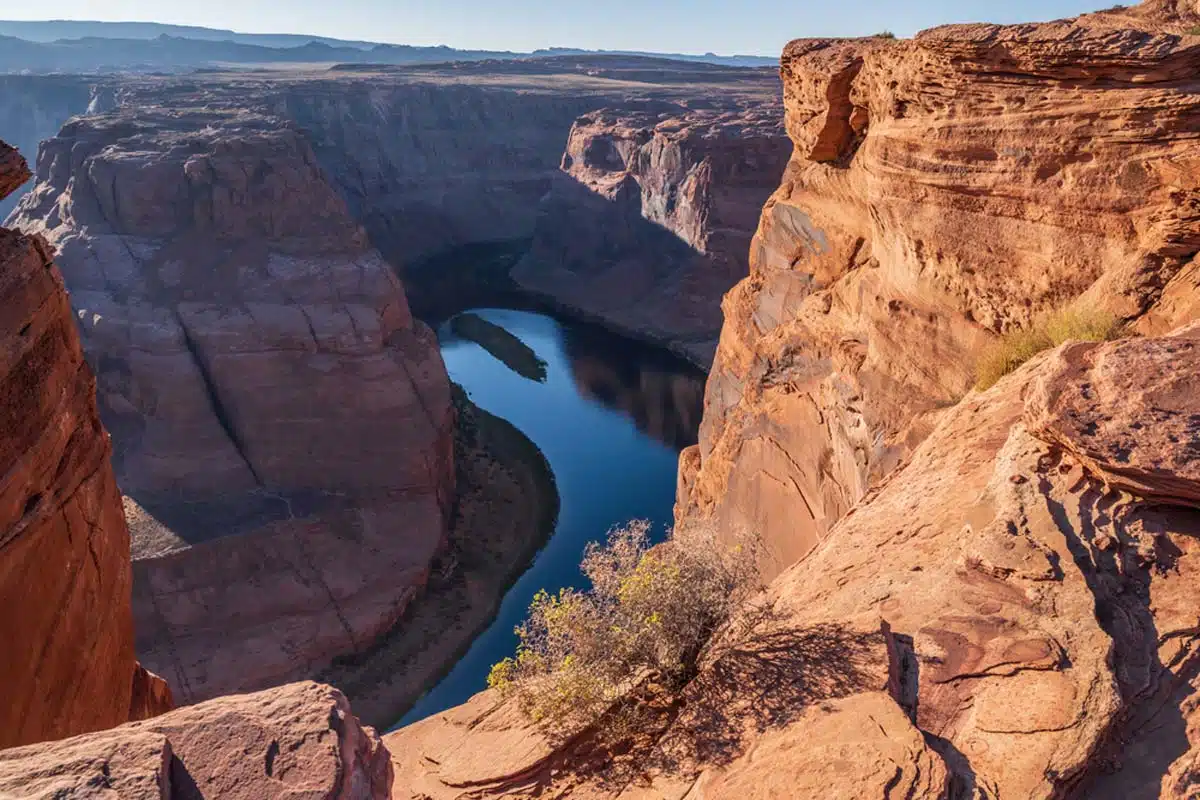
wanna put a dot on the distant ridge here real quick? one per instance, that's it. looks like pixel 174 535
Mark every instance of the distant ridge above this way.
pixel 82 46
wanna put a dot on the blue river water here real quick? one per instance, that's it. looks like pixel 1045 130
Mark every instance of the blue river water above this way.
pixel 610 419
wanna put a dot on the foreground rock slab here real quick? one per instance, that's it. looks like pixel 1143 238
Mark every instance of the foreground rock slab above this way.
pixel 67 628
pixel 300 740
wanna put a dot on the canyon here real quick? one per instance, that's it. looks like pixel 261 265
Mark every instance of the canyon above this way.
pixel 282 426
pixel 969 592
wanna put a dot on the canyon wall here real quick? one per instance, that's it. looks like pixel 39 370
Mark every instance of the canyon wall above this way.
pixel 650 223
pixel 943 189
pixel 282 424
pixel 65 581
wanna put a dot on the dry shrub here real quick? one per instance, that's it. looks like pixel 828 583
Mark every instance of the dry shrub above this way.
pixel 1018 346
pixel 650 613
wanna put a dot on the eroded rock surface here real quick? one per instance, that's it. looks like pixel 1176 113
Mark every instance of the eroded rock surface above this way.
pixel 69 665
pixel 282 425
pixel 992 621
pixel 651 223
pixel 943 189
pixel 300 740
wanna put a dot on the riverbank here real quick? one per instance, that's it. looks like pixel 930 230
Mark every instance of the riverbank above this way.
pixel 505 510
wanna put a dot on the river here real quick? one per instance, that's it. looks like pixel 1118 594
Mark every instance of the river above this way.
pixel 610 417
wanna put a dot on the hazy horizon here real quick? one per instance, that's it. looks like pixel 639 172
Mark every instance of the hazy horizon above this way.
pixel 748 27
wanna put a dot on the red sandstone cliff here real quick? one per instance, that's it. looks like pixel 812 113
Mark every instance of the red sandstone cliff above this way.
pixel 1011 614
pixel 67 629
pixel 942 190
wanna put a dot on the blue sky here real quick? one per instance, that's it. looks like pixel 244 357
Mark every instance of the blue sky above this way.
pixel 724 26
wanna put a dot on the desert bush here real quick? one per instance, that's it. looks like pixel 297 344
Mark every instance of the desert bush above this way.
pixel 650 612
pixel 885 34
pixel 1018 346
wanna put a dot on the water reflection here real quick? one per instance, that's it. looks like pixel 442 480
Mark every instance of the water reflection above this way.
pixel 610 418
pixel 662 394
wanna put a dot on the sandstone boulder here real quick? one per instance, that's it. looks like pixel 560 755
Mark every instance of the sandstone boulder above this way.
pixel 300 740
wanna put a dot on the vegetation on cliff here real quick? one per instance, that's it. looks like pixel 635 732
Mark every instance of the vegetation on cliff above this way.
pixel 516 355
pixel 1049 331
pixel 649 613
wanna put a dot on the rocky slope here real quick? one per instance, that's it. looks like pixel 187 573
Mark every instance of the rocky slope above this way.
pixel 942 190
pixel 657 203
pixel 1009 615
pixel 300 740
pixel 65 580
pixel 282 424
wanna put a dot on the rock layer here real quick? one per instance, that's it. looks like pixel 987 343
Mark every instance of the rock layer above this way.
pixel 652 219
pixel 282 424
pixel 300 740
pixel 943 189
pixel 65 581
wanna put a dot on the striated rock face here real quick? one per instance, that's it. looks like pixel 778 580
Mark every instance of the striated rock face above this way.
pixel 942 190
pixel 657 202
pixel 282 424
pixel 67 628
pixel 300 740
pixel 1009 615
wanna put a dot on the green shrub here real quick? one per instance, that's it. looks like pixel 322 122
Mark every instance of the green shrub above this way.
pixel 885 35
pixel 649 613
pixel 1018 346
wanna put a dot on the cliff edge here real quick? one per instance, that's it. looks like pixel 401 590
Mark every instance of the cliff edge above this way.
pixel 65 581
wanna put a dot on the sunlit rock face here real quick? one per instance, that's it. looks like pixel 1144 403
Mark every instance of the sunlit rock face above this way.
pixel 64 548
pixel 943 189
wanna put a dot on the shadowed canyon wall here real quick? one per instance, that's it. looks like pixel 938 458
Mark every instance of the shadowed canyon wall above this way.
pixel 282 424
pixel 656 203
pixel 33 108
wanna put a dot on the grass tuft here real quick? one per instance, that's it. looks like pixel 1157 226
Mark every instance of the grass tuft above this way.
pixel 1018 346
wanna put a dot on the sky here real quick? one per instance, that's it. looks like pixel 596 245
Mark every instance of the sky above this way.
pixel 751 27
